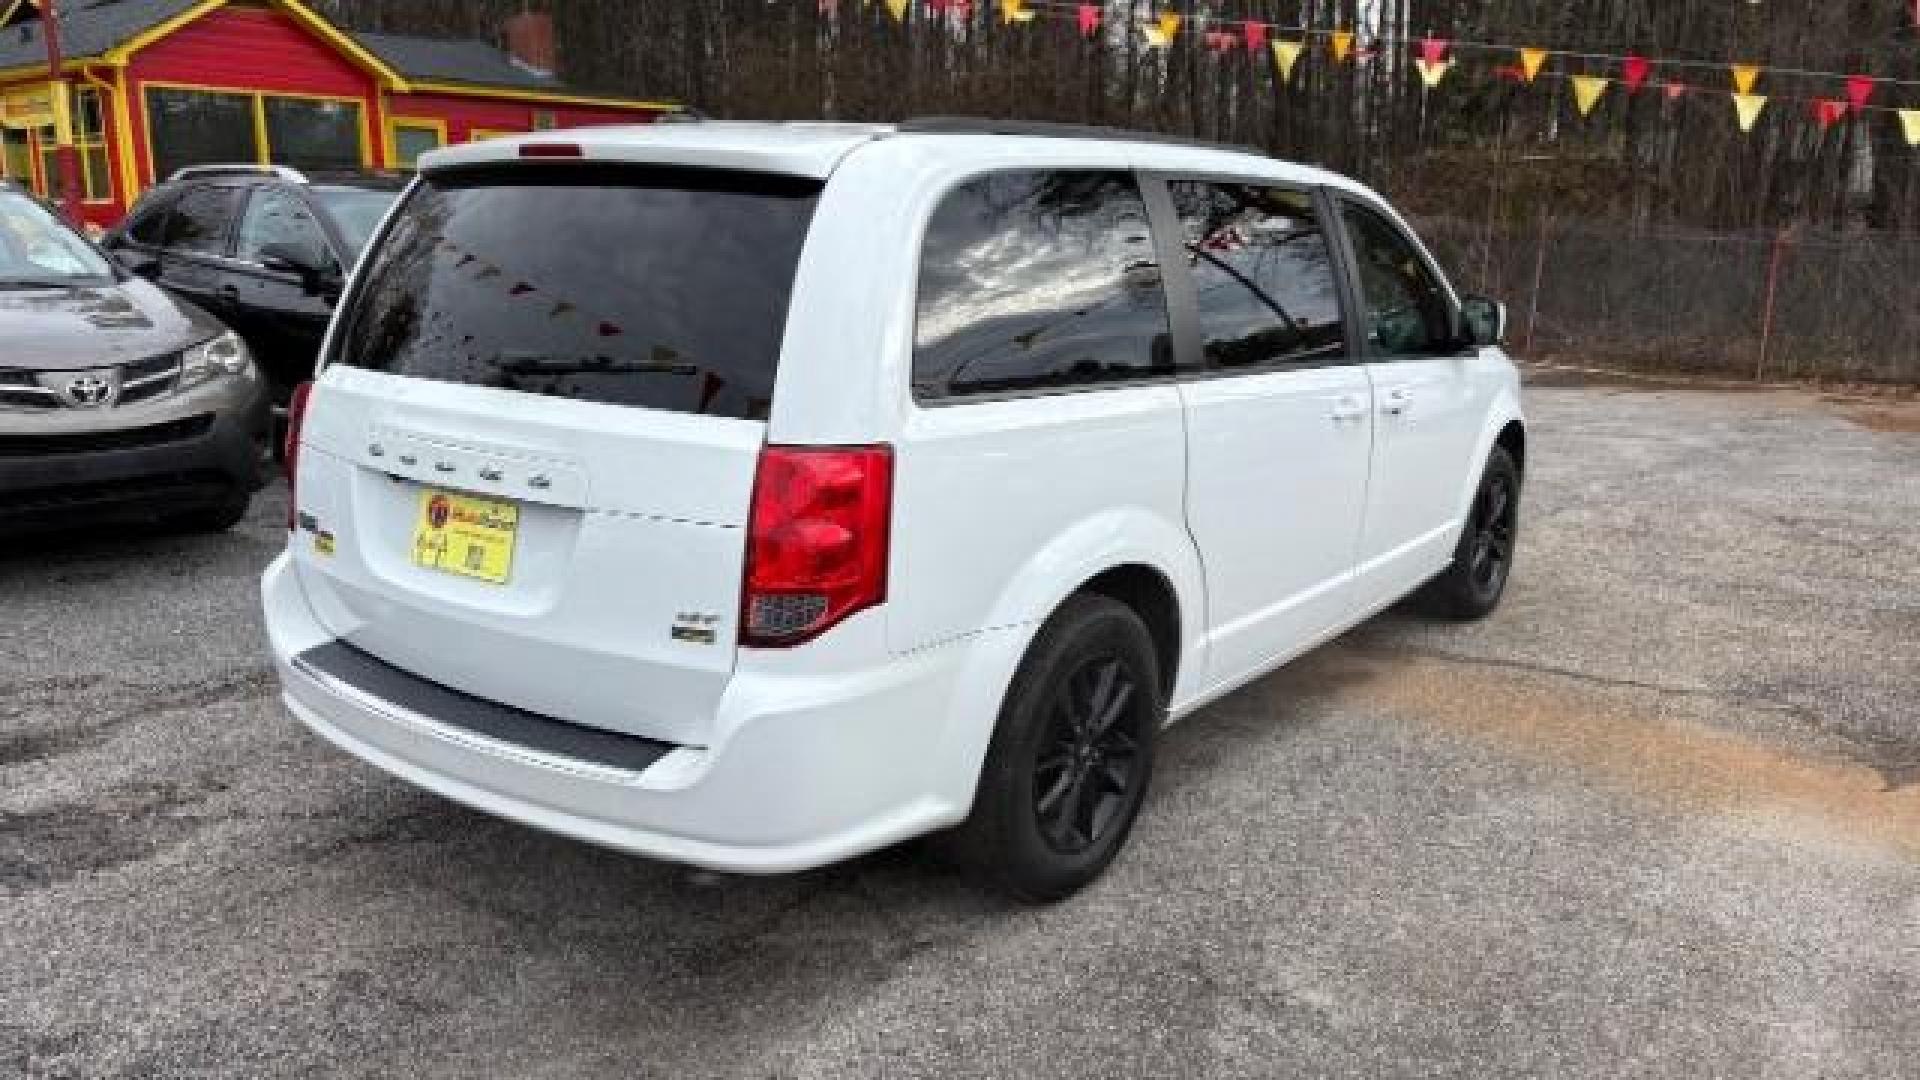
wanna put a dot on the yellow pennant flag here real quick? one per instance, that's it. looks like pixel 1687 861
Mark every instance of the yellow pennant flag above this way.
pixel 1531 61
pixel 1744 78
pixel 1586 92
pixel 1287 54
pixel 1013 11
pixel 899 9
pixel 1747 107
pixel 1342 45
pixel 1431 73
pixel 1169 26
pixel 1910 119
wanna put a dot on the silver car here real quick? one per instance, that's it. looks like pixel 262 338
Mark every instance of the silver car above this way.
pixel 118 402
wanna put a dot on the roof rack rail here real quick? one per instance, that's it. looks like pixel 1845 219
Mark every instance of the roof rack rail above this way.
pixel 200 172
pixel 980 125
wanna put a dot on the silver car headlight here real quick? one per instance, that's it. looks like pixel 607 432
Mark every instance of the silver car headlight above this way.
pixel 218 358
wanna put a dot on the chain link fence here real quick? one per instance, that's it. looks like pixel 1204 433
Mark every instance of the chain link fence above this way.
pixel 1761 305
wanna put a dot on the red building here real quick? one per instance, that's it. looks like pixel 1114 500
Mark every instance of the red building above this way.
pixel 150 86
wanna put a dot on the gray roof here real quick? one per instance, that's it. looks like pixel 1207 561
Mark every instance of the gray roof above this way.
pixel 452 60
pixel 87 28
pixel 94 27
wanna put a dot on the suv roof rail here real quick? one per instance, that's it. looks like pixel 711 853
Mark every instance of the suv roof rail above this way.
pixel 980 125
pixel 198 172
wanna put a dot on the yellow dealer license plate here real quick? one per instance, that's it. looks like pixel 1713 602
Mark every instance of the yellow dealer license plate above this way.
pixel 466 535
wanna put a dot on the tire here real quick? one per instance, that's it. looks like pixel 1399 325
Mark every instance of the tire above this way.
pixel 1471 588
pixel 217 518
pixel 1071 757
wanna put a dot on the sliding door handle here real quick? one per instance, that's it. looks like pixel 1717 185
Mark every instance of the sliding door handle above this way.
pixel 1397 402
pixel 1348 408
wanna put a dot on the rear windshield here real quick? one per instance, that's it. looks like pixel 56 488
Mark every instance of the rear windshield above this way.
pixel 659 289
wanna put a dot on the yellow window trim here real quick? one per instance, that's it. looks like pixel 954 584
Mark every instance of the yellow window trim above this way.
pixel 263 146
pixel 82 144
pixel 541 96
pixel 395 124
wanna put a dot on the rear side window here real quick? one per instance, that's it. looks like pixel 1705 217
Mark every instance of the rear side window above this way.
pixel 653 288
pixel 1263 274
pixel 1036 281
pixel 199 221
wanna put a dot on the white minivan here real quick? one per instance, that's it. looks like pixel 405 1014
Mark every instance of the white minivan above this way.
pixel 755 496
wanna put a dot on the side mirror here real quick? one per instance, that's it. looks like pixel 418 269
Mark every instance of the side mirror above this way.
pixel 140 264
pixel 297 259
pixel 1485 321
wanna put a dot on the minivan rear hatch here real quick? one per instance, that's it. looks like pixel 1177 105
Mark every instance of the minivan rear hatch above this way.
pixel 526 470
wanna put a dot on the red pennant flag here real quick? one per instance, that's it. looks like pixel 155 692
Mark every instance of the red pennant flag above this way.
pixel 1089 19
pixel 1860 91
pixel 1221 41
pixel 1511 73
pixel 1829 112
pixel 1676 91
pixel 1256 35
pixel 1433 50
pixel 1634 71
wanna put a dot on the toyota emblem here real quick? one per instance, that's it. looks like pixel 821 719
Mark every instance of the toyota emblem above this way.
pixel 89 392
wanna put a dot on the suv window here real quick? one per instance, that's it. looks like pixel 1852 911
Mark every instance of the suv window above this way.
pixel 1039 281
pixel 1407 313
pixel 657 288
pixel 199 221
pixel 276 216
pixel 1263 275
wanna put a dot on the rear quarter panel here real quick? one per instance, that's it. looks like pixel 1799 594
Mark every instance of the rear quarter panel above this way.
pixel 1002 509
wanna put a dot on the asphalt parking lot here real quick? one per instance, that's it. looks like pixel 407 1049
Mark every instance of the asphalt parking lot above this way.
pixel 1661 816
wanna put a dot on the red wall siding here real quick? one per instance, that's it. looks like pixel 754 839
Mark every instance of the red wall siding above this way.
pixel 464 114
pixel 249 49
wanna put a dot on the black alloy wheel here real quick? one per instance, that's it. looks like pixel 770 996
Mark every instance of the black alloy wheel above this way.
pixel 1471 588
pixel 1071 757
pixel 1086 775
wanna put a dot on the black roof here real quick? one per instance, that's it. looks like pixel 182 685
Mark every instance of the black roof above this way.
pixel 87 28
pixel 455 60
pixel 94 27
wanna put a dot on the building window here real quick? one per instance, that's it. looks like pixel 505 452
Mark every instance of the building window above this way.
pixel 192 127
pixel 90 139
pixel 16 155
pixel 311 133
pixel 201 127
pixel 412 138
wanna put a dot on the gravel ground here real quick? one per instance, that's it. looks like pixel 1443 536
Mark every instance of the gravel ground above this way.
pixel 1661 816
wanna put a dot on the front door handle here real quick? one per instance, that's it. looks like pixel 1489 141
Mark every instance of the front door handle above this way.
pixel 1397 402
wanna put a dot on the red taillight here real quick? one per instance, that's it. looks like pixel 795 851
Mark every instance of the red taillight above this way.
pixel 816 542
pixel 551 150
pixel 290 457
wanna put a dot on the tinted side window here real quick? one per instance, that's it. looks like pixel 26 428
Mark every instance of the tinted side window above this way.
pixel 1263 274
pixel 149 225
pixel 277 217
pixel 199 221
pixel 1039 280
pixel 1407 313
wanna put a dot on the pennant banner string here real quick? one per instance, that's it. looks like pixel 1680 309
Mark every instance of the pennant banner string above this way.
pixel 1278 29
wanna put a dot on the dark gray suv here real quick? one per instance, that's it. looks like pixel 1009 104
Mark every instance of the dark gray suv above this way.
pixel 117 401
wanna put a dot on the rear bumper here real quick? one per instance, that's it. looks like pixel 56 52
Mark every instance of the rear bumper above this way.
pixel 811 770
pixel 161 466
